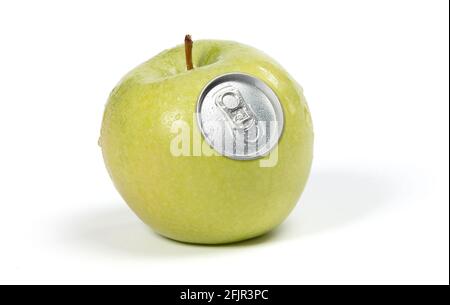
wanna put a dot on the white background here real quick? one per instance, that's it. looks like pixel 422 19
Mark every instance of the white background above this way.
pixel 376 76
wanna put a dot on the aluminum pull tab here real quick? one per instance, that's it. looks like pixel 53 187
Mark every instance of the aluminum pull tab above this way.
pixel 232 104
pixel 239 114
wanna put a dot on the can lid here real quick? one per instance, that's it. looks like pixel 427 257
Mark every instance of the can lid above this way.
pixel 240 116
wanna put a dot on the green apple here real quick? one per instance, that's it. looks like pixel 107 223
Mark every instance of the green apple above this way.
pixel 202 199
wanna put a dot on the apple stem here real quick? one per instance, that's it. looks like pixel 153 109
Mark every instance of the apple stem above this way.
pixel 188 50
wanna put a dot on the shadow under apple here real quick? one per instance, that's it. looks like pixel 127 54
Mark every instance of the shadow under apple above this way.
pixel 333 198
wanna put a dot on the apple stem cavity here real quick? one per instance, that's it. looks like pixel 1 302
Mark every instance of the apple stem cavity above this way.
pixel 188 50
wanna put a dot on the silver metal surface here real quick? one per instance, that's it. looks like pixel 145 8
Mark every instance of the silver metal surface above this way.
pixel 240 116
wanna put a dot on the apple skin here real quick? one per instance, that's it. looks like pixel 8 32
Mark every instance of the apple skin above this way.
pixel 205 200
